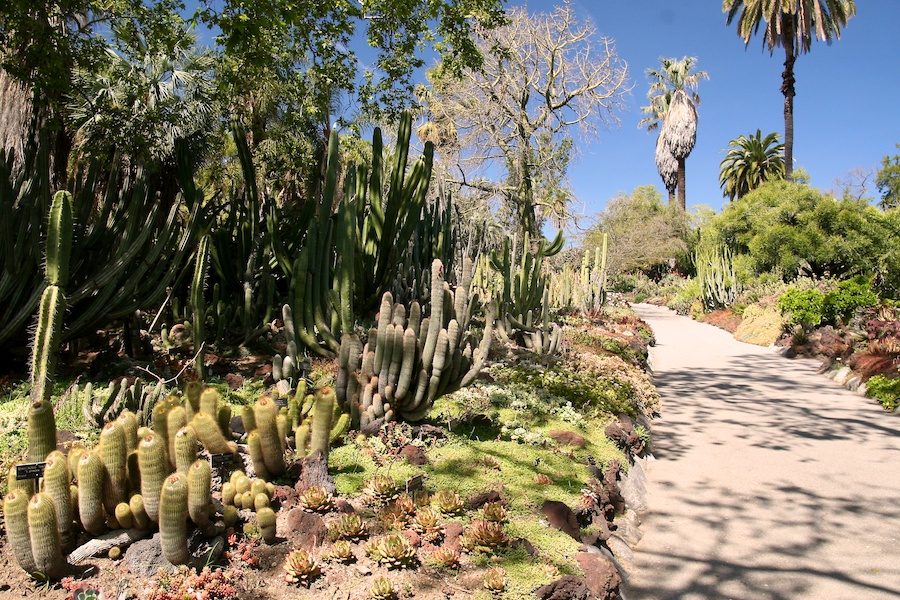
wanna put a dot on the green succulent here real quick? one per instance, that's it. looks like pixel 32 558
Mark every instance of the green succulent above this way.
pixel 348 526
pixel 316 499
pixel 382 489
pixel 427 522
pixel 484 536
pixel 495 580
pixel 383 589
pixel 448 502
pixel 495 511
pixel 392 551
pixel 445 557
pixel 341 552
pixel 300 566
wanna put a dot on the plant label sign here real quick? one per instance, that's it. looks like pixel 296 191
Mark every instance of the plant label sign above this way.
pixel 30 471
pixel 221 462
pixel 281 402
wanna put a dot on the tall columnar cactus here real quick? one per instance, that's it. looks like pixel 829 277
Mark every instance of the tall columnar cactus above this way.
pixel 56 486
pixel 198 304
pixel 113 453
pixel 593 278
pixel 199 482
pixel 45 544
pixel 15 512
pixel 90 493
pixel 265 413
pixel 408 362
pixel 154 466
pixel 185 449
pixel 524 282
pixel 173 516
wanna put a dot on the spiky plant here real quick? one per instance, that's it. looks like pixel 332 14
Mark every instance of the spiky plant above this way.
pixel 427 522
pixel 445 557
pixel 405 504
pixel 300 566
pixel 392 551
pixel 383 589
pixel 341 552
pixel 448 502
pixel 348 526
pixel 484 536
pixel 392 518
pixel 495 511
pixel 316 499
pixel 382 489
pixel 495 580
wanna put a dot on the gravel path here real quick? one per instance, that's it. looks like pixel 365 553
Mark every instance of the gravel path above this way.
pixel 771 482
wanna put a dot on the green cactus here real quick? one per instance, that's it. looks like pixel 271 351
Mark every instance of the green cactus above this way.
pixel 15 511
pixel 45 543
pixel 198 304
pixel 199 482
pixel 173 516
pixel 265 520
pixel 257 455
pixel 265 411
pixel 56 485
pixel 154 467
pixel 185 449
pixel 209 434
pixel 209 402
pixel 124 515
pixel 41 430
pixel 90 493
pixel 112 451
pixel 128 421
pixel 138 512
pixel 320 437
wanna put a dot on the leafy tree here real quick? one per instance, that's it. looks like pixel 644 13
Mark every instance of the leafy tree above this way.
pixel 789 24
pixel 643 232
pixel 543 76
pixel 793 229
pixel 888 181
pixel 668 95
pixel 750 162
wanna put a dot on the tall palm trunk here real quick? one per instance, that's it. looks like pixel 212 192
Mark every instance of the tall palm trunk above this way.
pixel 682 195
pixel 787 88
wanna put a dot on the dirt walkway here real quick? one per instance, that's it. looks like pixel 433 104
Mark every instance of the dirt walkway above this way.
pixel 771 482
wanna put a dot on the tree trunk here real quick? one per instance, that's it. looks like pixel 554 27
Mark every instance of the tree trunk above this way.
pixel 787 88
pixel 672 197
pixel 682 197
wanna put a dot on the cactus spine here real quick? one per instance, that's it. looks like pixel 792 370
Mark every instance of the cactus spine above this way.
pixel 45 544
pixel 41 436
pixel 173 515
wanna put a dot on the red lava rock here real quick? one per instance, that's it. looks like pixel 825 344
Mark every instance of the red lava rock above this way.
pixel 452 532
pixel 623 434
pixel 479 500
pixel 414 455
pixel 600 575
pixel 568 438
pixel 305 530
pixel 234 380
pixel 342 506
pixel 565 588
pixel 611 484
pixel 285 496
pixel 414 539
pixel 561 517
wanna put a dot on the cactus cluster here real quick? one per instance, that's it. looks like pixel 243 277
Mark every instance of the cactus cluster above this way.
pixel 411 359
pixel 241 492
pixel 583 290
pixel 318 421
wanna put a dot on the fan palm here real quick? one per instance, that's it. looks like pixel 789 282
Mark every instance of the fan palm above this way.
pixel 674 79
pixel 750 162
pixel 789 24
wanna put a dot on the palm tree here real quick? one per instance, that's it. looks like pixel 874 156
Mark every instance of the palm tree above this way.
pixel 750 162
pixel 789 24
pixel 677 139
pixel 667 166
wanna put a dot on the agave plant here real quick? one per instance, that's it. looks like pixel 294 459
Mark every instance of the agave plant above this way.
pixel 316 499
pixel 300 566
pixel 484 536
pixel 348 526
pixel 446 557
pixel 448 502
pixel 393 551
pixel 427 522
pixel 382 489
pixel 341 552
pixel 383 589
pixel 495 580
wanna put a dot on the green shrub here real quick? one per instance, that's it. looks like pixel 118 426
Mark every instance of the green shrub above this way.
pixel 802 307
pixel 886 391
pixel 850 295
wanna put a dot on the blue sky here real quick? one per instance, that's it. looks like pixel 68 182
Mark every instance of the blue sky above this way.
pixel 845 111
